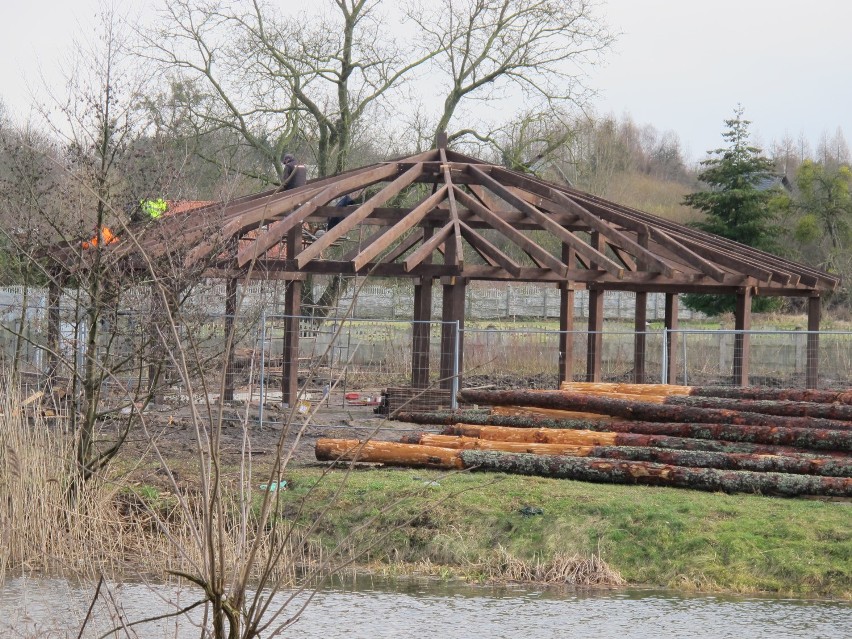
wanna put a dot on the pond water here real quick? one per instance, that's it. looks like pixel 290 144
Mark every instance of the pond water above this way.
pixel 379 609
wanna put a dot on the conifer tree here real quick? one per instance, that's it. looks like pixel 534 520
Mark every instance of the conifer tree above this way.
pixel 740 204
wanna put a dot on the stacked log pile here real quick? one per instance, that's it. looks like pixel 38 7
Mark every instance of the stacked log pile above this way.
pixel 781 442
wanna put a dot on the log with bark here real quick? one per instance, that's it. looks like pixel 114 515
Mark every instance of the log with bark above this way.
pixel 524 411
pixel 825 441
pixel 835 412
pixel 593 438
pixel 801 465
pixel 634 472
pixel 390 453
pixel 563 400
pixel 732 392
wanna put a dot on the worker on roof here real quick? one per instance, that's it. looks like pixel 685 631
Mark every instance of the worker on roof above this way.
pixel 103 237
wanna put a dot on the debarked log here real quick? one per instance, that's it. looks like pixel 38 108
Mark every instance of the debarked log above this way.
pixel 616 388
pixel 645 411
pixel 635 472
pixel 813 465
pixel 390 453
pixel 839 413
pixel 594 438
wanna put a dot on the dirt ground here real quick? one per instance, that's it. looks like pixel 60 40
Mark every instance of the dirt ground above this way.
pixel 171 427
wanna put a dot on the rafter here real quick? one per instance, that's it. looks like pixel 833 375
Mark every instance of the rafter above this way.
pixel 546 222
pixel 409 221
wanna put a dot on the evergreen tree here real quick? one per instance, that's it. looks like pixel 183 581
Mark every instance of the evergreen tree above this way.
pixel 739 203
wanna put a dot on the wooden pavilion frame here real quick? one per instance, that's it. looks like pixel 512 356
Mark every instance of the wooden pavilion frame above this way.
pixel 454 204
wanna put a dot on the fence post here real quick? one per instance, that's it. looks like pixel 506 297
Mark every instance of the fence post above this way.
pixel 664 364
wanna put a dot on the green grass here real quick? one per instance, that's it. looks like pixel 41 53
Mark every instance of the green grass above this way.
pixel 652 536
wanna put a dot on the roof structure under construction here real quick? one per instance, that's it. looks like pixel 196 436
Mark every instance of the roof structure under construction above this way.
pixel 443 216
pixel 458 218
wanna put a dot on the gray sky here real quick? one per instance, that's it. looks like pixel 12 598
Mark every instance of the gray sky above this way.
pixel 681 65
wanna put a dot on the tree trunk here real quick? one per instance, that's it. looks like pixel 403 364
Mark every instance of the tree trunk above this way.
pixel 776 394
pixel 593 438
pixel 391 453
pixel 813 465
pixel 633 472
pixel 562 400
pixel 841 412
pixel 810 438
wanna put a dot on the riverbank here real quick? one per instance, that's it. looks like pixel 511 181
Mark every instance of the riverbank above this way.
pixel 463 524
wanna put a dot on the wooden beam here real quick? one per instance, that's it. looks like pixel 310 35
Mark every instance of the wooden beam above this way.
pixel 458 253
pixel 410 220
pixel 355 218
pixel 405 245
pixel 489 250
pixel 547 223
pixel 277 230
pixel 530 247
pixel 428 247
pixel 613 235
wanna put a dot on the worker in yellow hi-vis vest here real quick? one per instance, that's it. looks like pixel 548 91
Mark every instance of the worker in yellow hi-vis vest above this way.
pixel 153 209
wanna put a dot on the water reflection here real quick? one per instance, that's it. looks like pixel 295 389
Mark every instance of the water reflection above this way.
pixel 378 609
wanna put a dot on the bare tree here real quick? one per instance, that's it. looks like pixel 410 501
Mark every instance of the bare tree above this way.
pixel 284 80
pixel 490 48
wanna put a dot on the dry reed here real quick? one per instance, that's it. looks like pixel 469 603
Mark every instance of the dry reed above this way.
pixel 562 569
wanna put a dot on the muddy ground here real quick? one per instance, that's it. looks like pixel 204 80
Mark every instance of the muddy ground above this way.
pixel 173 430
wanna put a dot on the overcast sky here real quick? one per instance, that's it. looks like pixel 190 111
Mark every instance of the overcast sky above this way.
pixel 681 65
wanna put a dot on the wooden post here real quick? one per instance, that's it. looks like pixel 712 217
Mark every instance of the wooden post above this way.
pixel 292 311
pixel 594 350
pixel 421 329
pixel 640 323
pixel 812 364
pixel 566 321
pixel 54 294
pixel 230 313
pixel 742 322
pixel 452 340
pixel 671 340
pixel 421 333
pixel 640 326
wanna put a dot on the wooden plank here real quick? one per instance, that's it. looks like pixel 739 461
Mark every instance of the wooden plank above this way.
pixel 352 220
pixel 742 341
pixel 409 221
pixel 547 223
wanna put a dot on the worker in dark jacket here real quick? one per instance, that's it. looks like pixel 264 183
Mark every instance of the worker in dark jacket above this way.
pixel 287 177
pixel 347 200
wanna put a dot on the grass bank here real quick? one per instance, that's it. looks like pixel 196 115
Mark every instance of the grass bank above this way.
pixel 476 524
